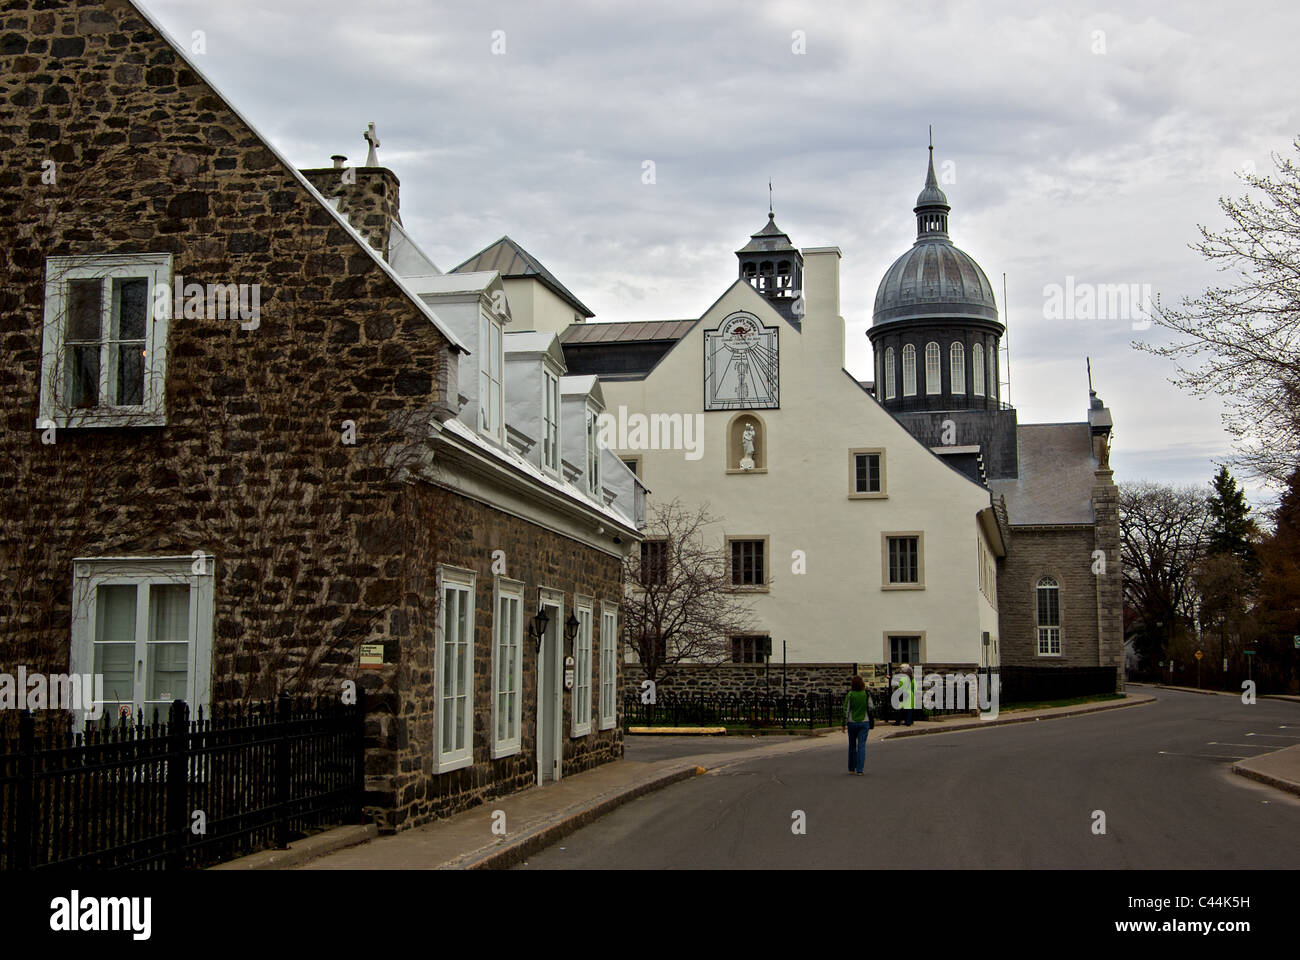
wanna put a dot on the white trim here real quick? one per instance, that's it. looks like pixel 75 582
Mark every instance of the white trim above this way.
pixel 156 269
pixel 583 609
pixel 609 646
pixel 555 600
pixel 512 591
pixel 196 571
pixel 462 582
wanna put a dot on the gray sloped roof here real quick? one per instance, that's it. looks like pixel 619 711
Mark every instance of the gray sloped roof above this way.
pixel 512 261
pixel 626 331
pixel 1056 475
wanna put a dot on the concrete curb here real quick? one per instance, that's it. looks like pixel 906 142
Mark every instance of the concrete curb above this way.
pixel 1080 710
pixel 1287 697
pixel 522 848
pixel 1289 786
pixel 301 851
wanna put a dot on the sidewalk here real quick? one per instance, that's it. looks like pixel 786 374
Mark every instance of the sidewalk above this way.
pixel 1280 769
pixel 537 817
pixel 1215 693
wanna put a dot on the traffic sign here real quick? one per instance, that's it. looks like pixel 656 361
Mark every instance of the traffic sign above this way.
pixel 1198 655
pixel 1249 653
pixel 1297 642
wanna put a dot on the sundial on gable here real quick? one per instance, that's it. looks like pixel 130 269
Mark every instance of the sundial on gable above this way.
pixel 741 365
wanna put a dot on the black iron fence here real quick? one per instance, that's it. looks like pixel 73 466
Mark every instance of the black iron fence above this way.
pixel 756 710
pixel 1035 684
pixel 179 793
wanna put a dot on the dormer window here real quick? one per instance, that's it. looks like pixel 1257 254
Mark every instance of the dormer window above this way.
pixel 551 422
pixel 593 456
pixel 491 395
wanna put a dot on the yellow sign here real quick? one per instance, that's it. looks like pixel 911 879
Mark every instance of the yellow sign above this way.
pixel 1199 654
pixel 372 656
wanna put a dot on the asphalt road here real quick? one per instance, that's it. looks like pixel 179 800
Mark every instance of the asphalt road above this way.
pixel 1020 796
pixel 647 748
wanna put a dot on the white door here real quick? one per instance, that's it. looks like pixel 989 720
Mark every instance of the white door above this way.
pixel 549 703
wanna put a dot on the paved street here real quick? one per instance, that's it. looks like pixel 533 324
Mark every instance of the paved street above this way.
pixel 1015 796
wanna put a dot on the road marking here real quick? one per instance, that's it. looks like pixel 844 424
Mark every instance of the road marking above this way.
pixel 1280 736
pixel 1203 756
pixel 1221 743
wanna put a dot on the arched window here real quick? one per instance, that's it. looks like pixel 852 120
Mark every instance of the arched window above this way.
pixel 957 367
pixel 933 378
pixel 889 373
pixel 993 373
pixel 977 369
pixel 909 371
pixel 1049 617
pixel 783 275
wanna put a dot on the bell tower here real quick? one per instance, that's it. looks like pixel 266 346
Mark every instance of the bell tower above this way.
pixel 773 266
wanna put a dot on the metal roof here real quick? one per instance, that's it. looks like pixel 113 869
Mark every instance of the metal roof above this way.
pixel 625 332
pixel 513 262
pixel 1056 475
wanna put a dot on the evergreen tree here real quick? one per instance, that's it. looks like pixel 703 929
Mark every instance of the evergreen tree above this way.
pixel 1232 530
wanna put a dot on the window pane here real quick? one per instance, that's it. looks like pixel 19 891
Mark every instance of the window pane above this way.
pixel 129 382
pixel 115 661
pixel 84 310
pixel 83 376
pixel 169 634
pixel 130 307
pixel 115 614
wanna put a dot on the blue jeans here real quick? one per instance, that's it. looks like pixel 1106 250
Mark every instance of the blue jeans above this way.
pixel 907 714
pixel 858 745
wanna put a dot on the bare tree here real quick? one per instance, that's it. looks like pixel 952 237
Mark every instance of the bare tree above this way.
pixel 1164 531
pixel 1242 340
pixel 681 605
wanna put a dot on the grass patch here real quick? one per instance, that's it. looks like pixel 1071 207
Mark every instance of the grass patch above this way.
pixel 1042 704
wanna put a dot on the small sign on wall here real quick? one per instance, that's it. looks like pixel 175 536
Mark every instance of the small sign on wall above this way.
pixel 372 656
pixel 568 673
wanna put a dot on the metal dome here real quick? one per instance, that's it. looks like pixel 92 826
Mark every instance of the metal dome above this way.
pixel 934 279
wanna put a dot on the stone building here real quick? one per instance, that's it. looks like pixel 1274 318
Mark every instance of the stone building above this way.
pixel 256 442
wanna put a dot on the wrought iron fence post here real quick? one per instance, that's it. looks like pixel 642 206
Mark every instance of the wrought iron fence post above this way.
pixel 26 793
pixel 177 783
pixel 280 727
pixel 359 771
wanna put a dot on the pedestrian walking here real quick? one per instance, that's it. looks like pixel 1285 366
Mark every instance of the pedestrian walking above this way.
pixel 857 714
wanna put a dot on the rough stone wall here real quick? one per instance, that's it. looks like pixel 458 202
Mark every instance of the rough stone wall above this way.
pixel 1110 586
pixel 1066 554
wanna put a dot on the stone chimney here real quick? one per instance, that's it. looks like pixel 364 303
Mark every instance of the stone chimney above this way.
pixel 367 196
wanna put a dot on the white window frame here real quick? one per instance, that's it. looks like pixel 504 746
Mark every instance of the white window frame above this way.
pixel 933 368
pixel 462 582
pixel 491 379
pixel 196 571
pixel 609 644
pixel 550 422
pixel 909 370
pixel 858 494
pixel 889 373
pixel 581 701
pixel 156 269
pixel 507 631
pixel 977 369
pixel 993 373
pixel 957 367
pixel 1049 635
pixel 593 452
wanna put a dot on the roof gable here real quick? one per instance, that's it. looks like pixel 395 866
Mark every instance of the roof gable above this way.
pixel 513 262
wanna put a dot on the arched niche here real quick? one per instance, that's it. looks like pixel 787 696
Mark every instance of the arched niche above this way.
pixel 737 454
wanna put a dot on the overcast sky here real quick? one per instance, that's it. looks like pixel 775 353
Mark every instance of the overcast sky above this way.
pixel 1084 140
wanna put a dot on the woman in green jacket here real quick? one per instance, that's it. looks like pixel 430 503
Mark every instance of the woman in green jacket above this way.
pixel 857 713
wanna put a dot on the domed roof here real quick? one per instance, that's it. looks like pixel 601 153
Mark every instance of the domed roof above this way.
pixel 934 279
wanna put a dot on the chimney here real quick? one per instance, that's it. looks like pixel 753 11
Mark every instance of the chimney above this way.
pixel 367 196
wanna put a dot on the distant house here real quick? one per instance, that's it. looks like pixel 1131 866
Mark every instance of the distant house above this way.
pixel 258 443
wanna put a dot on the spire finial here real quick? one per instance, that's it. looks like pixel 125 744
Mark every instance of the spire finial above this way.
pixel 770 214
pixel 372 138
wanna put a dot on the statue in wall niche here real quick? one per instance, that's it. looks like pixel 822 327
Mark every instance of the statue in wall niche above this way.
pixel 747 444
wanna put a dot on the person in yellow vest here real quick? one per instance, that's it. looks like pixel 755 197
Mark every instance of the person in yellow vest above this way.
pixel 857 715
pixel 907 684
